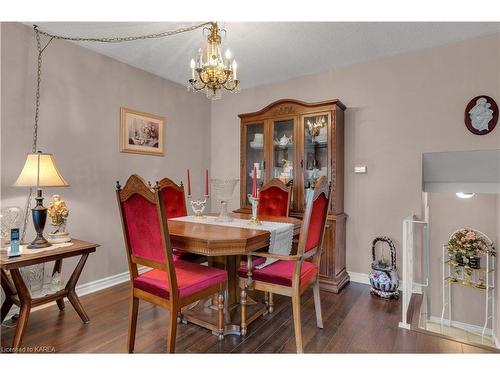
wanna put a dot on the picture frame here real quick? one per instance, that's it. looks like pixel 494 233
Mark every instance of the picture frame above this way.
pixel 141 132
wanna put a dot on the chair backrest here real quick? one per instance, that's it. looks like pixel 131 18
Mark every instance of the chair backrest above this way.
pixel 274 199
pixel 145 230
pixel 173 198
pixel 315 215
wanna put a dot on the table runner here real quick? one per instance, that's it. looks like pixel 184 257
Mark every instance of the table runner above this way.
pixel 281 234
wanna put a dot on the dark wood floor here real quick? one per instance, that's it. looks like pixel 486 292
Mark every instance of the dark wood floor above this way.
pixel 354 322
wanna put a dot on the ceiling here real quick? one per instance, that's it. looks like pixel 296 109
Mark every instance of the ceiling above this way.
pixel 270 51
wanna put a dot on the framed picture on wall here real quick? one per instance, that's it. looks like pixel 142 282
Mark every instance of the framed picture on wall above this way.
pixel 141 132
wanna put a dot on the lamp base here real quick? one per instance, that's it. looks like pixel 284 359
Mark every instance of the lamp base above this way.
pixel 39 214
pixel 39 243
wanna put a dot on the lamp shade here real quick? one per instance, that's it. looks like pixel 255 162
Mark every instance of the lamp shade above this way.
pixel 40 171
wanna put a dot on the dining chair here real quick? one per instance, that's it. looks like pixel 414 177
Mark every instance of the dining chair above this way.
pixel 171 284
pixel 274 199
pixel 292 275
pixel 174 201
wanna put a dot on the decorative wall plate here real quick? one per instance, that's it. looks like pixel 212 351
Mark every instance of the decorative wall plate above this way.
pixel 481 115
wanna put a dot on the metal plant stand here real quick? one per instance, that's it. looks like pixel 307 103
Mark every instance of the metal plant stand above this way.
pixel 481 280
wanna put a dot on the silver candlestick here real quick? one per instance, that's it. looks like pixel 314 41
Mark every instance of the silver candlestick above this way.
pixel 255 203
pixel 198 206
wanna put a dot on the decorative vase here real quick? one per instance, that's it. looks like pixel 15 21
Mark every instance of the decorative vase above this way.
pixel 224 189
pixel 475 262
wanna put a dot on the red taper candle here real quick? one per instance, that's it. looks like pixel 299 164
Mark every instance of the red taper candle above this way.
pixel 206 181
pixel 189 183
pixel 254 182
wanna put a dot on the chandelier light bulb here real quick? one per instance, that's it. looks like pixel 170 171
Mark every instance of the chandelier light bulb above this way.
pixel 235 67
pixel 228 54
pixel 193 64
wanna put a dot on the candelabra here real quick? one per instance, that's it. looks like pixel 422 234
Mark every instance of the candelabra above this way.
pixel 198 206
pixel 254 201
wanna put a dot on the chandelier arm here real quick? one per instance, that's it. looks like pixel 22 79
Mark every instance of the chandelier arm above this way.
pixel 162 34
pixel 231 88
pixel 199 87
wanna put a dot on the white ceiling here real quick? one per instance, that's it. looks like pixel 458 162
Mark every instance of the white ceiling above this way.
pixel 270 51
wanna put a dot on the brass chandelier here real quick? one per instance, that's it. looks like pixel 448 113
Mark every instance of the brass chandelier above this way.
pixel 211 72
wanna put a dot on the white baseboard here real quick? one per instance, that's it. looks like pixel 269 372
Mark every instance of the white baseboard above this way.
pixel 91 287
pixel 363 278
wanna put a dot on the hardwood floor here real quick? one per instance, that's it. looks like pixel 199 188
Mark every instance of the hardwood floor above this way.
pixel 354 322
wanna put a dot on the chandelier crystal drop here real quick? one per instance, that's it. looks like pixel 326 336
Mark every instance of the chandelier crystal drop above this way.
pixel 212 72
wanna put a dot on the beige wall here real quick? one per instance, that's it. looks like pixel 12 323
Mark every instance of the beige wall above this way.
pixel 398 108
pixel 82 92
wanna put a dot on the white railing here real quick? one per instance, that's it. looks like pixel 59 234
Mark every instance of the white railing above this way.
pixel 409 286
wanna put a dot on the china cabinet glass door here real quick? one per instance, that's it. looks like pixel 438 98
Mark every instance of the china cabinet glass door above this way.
pixel 283 150
pixel 254 156
pixel 316 148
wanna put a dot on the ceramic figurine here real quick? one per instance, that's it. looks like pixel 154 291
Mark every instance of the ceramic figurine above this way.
pixel 58 213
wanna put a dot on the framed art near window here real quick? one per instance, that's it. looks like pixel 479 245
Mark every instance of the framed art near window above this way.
pixel 141 133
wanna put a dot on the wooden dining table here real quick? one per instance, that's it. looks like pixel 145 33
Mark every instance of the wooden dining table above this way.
pixel 223 246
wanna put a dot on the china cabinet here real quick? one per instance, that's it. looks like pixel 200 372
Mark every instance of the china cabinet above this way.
pixel 297 142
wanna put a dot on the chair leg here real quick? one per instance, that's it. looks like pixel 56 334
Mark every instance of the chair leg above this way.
pixel 220 315
pixel 270 307
pixel 243 303
pixel 132 322
pixel 296 321
pixel 317 304
pixel 172 330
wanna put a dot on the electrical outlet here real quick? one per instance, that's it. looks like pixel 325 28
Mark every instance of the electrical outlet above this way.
pixel 360 169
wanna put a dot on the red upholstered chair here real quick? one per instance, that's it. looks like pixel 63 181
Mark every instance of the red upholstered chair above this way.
pixel 274 199
pixel 173 198
pixel 292 275
pixel 174 202
pixel 171 284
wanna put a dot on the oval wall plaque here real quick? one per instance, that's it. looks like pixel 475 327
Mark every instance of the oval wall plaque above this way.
pixel 481 115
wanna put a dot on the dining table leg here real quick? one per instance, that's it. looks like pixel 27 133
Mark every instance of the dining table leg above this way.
pixel 227 263
pixel 205 313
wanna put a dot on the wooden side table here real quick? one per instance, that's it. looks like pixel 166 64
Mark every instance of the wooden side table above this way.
pixel 17 293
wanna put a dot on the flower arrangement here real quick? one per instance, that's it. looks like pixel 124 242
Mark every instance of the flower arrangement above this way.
pixel 466 245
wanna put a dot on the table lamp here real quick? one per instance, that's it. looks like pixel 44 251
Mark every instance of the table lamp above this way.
pixel 40 171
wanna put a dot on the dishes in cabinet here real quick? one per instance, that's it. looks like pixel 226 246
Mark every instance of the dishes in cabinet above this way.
pixel 283 142
pixel 258 141
pixel 257 146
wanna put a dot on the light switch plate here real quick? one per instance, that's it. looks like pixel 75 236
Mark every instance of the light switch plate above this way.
pixel 360 169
